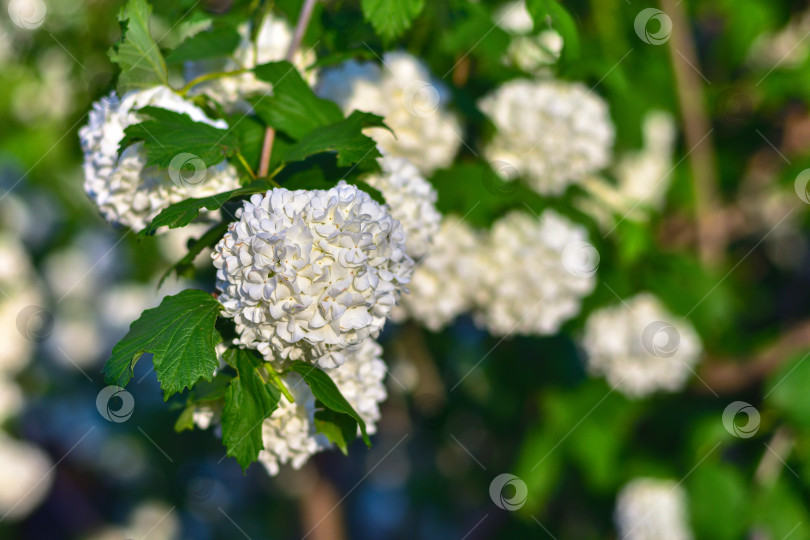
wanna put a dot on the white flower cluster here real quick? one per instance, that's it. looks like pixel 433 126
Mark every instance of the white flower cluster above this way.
pixel 307 274
pixel 272 42
pixel 444 282
pixel 552 133
pixel 150 519
pixel 530 53
pixel 411 101
pixel 25 470
pixel 533 274
pixel 412 200
pixel 119 183
pixel 652 509
pixel 639 347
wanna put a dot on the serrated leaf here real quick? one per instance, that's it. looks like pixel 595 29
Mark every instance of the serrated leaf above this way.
pixel 182 213
pixel 136 53
pixel 181 337
pixel 390 18
pixel 208 239
pixel 345 138
pixel 214 43
pixel 326 391
pixel 248 401
pixel 551 13
pixel 292 107
pixel 340 429
pixel 169 137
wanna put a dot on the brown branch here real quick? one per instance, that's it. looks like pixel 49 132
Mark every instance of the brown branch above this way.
pixel 697 132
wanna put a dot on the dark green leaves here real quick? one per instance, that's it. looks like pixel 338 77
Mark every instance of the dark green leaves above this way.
pixel 326 391
pixel 182 213
pixel 248 401
pixel 180 335
pixel 345 138
pixel 551 13
pixel 390 18
pixel 136 53
pixel 293 107
pixel 340 429
pixel 174 141
pixel 217 42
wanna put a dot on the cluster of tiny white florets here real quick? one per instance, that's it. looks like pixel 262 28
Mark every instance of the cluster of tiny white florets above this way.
pixel 652 509
pixel 444 281
pixel 639 347
pixel 533 273
pixel 533 53
pixel 412 200
pixel 551 133
pixel 119 183
pixel 306 274
pixel 413 104
pixel 271 45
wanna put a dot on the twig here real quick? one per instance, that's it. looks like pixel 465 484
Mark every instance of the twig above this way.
pixel 270 133
pixel 696 126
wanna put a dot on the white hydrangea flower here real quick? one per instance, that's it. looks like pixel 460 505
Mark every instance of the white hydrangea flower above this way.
pixel 531 53
pixel 552 133
pixel 639 347
pixel 533 274
pixel 306 274
pixel 124 189
pixel 652 509
pixel 272 42
pixel 26 474
pixel 413 104
pixel 412 200
pixel 444 282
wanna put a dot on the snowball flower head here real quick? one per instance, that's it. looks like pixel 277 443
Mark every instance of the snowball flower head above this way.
pixel 551 133
pixel 120 184
pixel 272 42
pixel 639 347
pixel 533 273
pixel 652 509
pixel 444 282
pixel 412 200
pixel 413 104
pixel 306 274
pixel 27 475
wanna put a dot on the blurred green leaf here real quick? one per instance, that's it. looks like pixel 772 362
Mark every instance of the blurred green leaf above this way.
pixel 551 13
pixel 787 390
pixel 217 42
pixel 181 337
pixel 195 247
pixel 390 18
pixel 136 53
pixel 718 501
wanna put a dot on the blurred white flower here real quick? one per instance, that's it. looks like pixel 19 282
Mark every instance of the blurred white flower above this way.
pixel 444 282
pixel 124 189
pixel 289 434
pixel 173 245
pixel 272 42
pixel 652 509
pixel 785 48
pixel 530 280
pixel 305 274
pixel 48 92
pixel 26 475
pixel 410 100
pixel 11 398
pixel 551 133
pixel 639 347
pixel 530 53
pixel 150 520
pixel 412 200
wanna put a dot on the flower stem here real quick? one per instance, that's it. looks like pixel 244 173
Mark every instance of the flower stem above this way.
pixel 208 77
pixel 273 375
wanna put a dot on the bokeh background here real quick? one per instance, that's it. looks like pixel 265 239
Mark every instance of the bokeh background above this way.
pixel 464 406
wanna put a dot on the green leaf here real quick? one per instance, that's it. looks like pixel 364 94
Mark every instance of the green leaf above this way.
pixel 345 138
pixel 292 107
pixel 169 137
pixel 390 18
pixel 326 391
pixel 217 42
pixel 551 13
pixel 186 419
pixel 136 53
pixel 341 429
pixel 208 239
pixel 180 335
pixel 182 213
pixel 248 401
pixel 787 390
